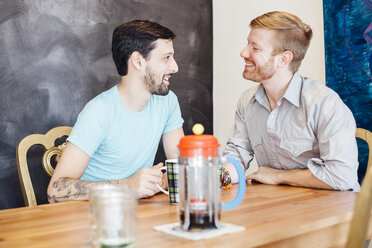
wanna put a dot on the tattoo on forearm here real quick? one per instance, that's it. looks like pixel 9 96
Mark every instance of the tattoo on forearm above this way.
pixel 69 188
pixel 72 189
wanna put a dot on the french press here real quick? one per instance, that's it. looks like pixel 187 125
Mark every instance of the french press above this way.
pixel 199 178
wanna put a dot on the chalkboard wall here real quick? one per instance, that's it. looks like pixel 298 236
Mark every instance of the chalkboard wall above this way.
pixel 56 55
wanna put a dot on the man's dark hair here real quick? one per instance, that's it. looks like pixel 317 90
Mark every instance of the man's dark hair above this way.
pixel 137 35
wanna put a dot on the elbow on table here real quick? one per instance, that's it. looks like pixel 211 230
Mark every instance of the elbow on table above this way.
pixel 346 185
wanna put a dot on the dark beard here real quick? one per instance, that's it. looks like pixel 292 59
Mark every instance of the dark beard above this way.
pixel 160 89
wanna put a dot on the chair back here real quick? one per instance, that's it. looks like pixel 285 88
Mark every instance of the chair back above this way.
pixel 362 210
pixel 51 151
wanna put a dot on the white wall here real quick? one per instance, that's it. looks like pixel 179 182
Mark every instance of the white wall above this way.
pixel 230 30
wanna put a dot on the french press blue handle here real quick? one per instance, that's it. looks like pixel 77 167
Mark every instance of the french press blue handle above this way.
pixel 241 188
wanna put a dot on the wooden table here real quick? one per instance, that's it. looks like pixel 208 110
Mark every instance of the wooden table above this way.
pixel 274 216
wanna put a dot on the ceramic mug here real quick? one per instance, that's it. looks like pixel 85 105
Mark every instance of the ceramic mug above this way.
pixel 172 169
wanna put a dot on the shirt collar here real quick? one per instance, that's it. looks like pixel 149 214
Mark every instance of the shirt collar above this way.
pixel 261 98
pixel 293 92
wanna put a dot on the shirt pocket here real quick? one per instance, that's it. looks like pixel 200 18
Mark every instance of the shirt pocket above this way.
pixel 295 147
pixel 258 149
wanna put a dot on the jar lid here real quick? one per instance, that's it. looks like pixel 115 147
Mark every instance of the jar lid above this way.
pixel 198 141
pixel 203 144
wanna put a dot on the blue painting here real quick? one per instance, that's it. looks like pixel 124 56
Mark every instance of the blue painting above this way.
pixel 348 50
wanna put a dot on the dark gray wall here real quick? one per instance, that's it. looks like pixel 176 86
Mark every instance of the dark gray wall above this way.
pixel 55 56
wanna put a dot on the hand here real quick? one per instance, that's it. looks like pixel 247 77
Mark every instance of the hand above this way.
pixel 266 175
pixel 143 182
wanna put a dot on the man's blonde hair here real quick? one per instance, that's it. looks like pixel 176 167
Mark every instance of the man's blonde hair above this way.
pixel 291 34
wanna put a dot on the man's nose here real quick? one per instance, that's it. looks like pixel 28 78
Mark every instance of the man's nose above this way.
pixel 245 52
pixel 173 67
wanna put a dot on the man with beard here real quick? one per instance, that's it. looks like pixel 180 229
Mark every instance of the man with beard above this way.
pixel 299 130
pixel 116 136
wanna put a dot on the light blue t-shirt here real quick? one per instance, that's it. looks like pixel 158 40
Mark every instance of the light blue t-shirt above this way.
pixel 118 141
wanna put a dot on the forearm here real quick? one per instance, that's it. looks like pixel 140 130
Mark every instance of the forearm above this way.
pixel 300 177
pixel 297 177
pixel 68 189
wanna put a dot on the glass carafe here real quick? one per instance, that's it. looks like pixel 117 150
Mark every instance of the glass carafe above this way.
pixel 200 183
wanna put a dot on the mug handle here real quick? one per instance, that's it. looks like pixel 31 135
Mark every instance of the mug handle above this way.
pixel 241 188
pixel 160 188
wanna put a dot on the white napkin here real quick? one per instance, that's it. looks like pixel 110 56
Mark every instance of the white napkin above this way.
pixel 175 229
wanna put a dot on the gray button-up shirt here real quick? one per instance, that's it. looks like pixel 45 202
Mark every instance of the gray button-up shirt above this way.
pixel 311 128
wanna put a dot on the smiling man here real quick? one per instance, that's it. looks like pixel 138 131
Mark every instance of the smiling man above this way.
pixel 299 130
pixel 116 136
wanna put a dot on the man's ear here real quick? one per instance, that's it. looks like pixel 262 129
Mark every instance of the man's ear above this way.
pixel 286 58
pixel 137 61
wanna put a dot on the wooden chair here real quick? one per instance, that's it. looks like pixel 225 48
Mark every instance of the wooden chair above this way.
pixel 48 142
pixel 362 210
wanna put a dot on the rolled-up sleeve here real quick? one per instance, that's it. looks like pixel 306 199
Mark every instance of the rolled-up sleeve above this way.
pixel 335 131
pixel 174 117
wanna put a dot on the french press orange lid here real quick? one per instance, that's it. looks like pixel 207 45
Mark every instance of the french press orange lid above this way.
pixel 204 145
